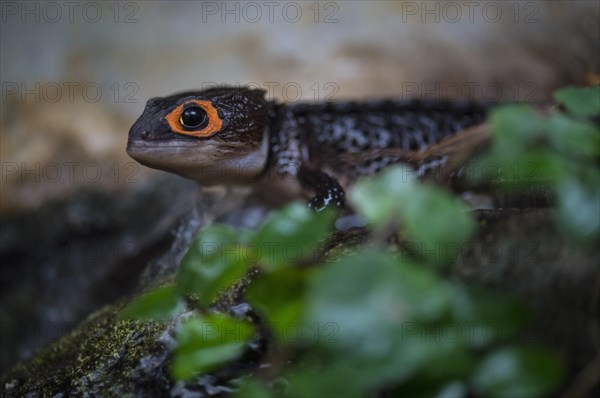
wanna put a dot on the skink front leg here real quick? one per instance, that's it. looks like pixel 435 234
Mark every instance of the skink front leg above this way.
pixel 328 191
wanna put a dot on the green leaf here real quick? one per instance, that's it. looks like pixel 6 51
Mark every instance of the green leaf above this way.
pixel 253 389
pixel 513 128
pixel 484 168
pixel 349 374
pixel 370 298
pixel 579 205
pixel 433 218
pixel 387 318
pixel 338 379
pixel 437 378
pixel 379 198
pixel 533 167
pixel 160 304
pixel 437 222
pixel 574 137
pixel 292 235
pixel 486 317
pixel 582 102
pixel 518 372
pixel 214 261
pixel 207 342
pixel 536 167
pixel 279 296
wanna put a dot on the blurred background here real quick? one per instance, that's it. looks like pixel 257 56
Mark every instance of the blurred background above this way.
pixel 80 219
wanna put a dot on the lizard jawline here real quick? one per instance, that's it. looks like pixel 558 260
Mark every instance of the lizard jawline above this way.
pixel 208 163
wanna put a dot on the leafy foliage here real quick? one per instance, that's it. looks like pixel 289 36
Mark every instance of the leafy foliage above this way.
pixel 558 150
pixel 205 342
pixel 381 319
pixel 581 102
pixel 291 235
pixel 429 215
pixel 215 260
pixel 518 372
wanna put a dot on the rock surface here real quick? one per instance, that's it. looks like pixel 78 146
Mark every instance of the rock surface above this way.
pixel 72 257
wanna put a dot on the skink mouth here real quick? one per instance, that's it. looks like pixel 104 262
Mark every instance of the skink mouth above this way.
pixel 175 151
pixel 182 144
pixel 163 144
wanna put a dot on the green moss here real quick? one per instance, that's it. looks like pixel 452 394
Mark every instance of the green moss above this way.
pixel 102 354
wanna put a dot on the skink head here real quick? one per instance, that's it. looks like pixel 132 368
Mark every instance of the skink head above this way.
pixel 213 136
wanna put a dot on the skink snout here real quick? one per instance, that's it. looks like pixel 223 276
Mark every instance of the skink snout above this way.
pixel 141 130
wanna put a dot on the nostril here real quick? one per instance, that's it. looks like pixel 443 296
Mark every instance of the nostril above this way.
pixel 145 135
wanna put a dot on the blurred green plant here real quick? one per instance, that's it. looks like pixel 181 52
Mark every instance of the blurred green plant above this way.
pixel 378 318
pixel 558 150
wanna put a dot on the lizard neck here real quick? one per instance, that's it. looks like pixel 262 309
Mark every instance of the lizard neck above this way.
pixel 242 169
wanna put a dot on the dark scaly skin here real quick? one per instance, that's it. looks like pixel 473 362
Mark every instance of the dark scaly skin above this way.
pixel 324 147
pixel 325 144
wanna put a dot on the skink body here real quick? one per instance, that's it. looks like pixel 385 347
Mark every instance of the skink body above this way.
pixel 236 136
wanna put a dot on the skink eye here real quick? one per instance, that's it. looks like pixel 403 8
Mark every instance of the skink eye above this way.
pixel 198 118
pixel 193 118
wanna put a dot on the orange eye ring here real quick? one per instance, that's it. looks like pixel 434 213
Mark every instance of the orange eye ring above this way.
pixel 214 121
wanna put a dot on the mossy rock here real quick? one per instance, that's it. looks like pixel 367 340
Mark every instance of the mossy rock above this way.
pixel 105 355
